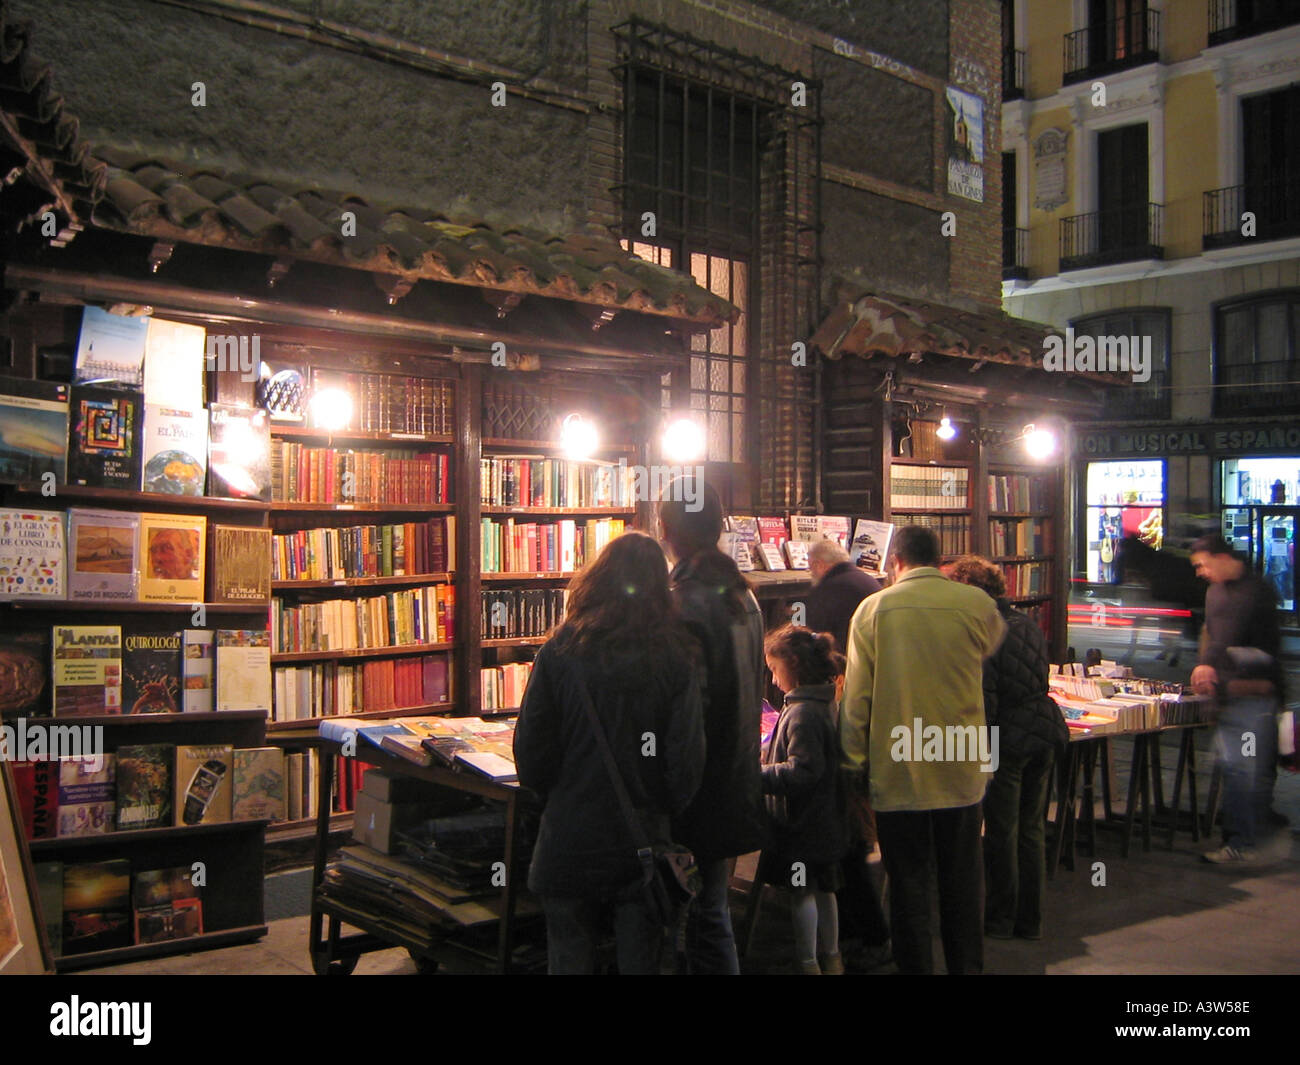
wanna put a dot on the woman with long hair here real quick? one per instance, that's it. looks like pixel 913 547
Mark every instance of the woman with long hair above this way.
pixel 622 645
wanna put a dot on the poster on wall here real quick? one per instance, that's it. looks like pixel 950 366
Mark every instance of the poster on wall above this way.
pixel 965 145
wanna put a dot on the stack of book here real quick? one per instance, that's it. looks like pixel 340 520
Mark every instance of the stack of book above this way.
pixel 324 689
pixel 394 619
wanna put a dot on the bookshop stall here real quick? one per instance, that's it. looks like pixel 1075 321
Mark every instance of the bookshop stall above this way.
pixel 258 475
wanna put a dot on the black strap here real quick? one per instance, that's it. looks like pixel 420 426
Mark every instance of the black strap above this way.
pixel 644 853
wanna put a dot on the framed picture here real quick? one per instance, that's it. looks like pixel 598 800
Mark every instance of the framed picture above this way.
pixel 24 949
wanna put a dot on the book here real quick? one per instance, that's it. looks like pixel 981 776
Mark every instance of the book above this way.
pixel 258 785
pixel 167 905
pixel 240 567
pixel 769 555
pixel 198 670
pixel 243 669
pixel 87 797
pixel 239 452
pixel 835 528
pixel 870 547
pixel 37 784
pixel 25 673
pixel 796 553
pixel 174 356
pixel 49 889
pixel 410 748
pixel 104 437
pixel 172 558
pixel 282 392
pixel 175 451
pixel 33 430
pixel 87 670
pixel 772 531
pixel 493 766
pixel 144 786
pixel 31 554
pixel 805 528
pixel 96 906
pixel 110 347
pixel 203 784
pixel 151 670
pixel 103 555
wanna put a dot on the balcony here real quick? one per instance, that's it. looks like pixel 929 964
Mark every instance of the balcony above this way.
pixel 1013 74
pixel 1233 20
pixel 1261 388
pixel 1015 254
pixel 1147 401
pixel 1105 47
pixel 1117 235
pixel 1275 205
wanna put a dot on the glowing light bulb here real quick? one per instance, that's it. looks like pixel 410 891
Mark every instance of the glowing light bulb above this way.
pixel 946 430
pixel 578 437
pixel 331 409
pixel 683 441
pixel 1039 443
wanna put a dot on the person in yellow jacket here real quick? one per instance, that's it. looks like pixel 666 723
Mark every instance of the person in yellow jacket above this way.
pixel 912 720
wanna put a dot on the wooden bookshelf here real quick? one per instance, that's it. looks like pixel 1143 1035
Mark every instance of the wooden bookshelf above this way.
pixel 42 848
pixel 551 447
pixel 514 641
pixel 615 512
pixel 227 937
pixel 78 606
pixel 359 436
pixel 364 582
pixel 553 575
pixel 285 657
pixel 314 723
pixel 365 508
pixel 142 501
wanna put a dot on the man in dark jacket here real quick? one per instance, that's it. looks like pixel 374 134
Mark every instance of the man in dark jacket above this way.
pixel 838 588
pixel 726 817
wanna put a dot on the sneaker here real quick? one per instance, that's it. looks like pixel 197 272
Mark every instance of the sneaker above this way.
pixel 832 964
pixel 1229 853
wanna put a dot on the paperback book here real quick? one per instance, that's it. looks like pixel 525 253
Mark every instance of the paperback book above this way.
pixel 151 670
pixel 33 430
pixel 239 452
pixel 172 558
pixel 104 440
pixel 144 786
pixel 244 669
pixel 96 906
pixel 110 347
pixel 870 548
pixel 49 889
pixel 259 785
pixel 173 364
pixel 31 554
pixel 87 797
pixel 198 670
pixel 37 784
pixel 167 905
pixel 103 553
pixel 87 670
pixel 25 673
pixel 175 450
pixel 203 784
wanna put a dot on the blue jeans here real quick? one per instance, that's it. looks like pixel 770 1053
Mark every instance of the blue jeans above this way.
pixel 710 942
pixel 574 928
pixel 1247 778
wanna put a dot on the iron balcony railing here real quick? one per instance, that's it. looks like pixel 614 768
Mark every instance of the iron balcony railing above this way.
pixel 1231 20
pixel 1148 400
pixel 1239 214
pixel 1257 388
pixel 1015 254
pixel 1116 235
pixel 1013 73
pixel 1104 47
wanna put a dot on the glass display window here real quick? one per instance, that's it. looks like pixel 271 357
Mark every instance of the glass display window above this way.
pixel 1125 498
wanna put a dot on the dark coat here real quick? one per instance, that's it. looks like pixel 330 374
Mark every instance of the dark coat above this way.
pixel 834 598
pixel 584 846
pixel 726 818
pixel 801 766
pixel 1015 690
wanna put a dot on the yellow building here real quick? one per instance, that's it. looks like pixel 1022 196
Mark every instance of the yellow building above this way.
pixel 1151 175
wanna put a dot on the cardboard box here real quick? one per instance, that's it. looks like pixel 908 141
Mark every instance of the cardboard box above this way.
pixel 388 788
pixel 376 824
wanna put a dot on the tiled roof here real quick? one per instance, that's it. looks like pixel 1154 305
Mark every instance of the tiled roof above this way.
pixel 155 197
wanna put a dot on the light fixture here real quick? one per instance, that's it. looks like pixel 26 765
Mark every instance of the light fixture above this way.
pixel 946 430
pixel 578 437
pixel 331 409
pixel 1039 443
pixel 683 442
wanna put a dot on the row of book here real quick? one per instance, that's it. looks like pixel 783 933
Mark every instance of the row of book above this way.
pixel 1020 536
pixel 513 612
pixel 544 547
pixel 512 481
pixel 1027 578
pixel 929 487
pixel 114 556
pixel 155 785
pixel 133 669
pixel 1018 492
pixel 358 551
pixel 1127 712
pixel 393 619
pixel 1041 613
pixel 502 687
pixel 90 906
pixel 324 689
pixel 953 532
pixel 390 403
pixel 304 474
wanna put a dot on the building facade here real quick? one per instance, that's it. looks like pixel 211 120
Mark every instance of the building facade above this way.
pixel 1152 205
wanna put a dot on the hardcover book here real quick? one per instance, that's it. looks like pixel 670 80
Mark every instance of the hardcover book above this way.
pixel 151 670
pixel 198 670
pixel 244 669
pixel 49 889
pixel 104 439
pixel 171 556
pixel 773 531
pixel 167 905
pixel 25 673
pixel 31 554
pixel 203 784
pixel 175 450
pixel 103 553
pixel 144 786
pixel 239 452
pixel 834 527
pixel 770 557
pixel 241 564
pixel 87 797
pixel 282 391
pixel 259 785
pixel 805 528
pixel 33 430
pixel 110 347
pixel 37 784
pixel 87 670
pixel 174 356
pixel 96 906
pixel 796 553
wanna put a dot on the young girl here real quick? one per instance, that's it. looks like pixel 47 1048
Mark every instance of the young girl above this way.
pixel 801 778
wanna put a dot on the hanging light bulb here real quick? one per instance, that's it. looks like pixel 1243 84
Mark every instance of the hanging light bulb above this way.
pixel 1039 443
pixel 578 436
pixel 946 430
pixel 683 441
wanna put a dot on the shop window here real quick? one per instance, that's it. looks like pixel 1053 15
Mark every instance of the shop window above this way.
pixel 1120 499
pixel 1146 328
pixel 1257 356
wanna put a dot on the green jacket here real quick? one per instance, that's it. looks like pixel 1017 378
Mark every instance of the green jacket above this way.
pixel 913 706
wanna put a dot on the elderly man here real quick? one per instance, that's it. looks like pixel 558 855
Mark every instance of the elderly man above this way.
pixel 838 588
pixel 913 718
